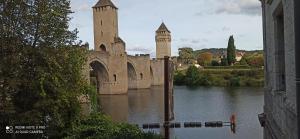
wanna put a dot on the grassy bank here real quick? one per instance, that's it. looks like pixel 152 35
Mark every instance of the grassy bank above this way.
pixel 220 77
pixel 100 126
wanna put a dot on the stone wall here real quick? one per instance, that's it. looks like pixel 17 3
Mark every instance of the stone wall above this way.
pixel 157 67
pixel 280 102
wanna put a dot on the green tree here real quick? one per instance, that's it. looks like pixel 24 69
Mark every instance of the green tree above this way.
pixel 186 54
pixel 215 63
pixel 179 78
pixel 40 66
pixel 231 51
pixel 224 62
pixel 243 61
pixel 192 76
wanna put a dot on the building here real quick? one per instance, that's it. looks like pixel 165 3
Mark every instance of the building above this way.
pixel 110 68
pixel 281 24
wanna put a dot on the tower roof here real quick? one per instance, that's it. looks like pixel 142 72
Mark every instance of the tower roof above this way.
pixel 103 3
pixel 163 27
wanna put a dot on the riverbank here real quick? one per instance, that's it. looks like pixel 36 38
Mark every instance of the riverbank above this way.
pixel 220 77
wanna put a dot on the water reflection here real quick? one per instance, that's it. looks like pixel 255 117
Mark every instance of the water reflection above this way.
pixel 116 106
pixel 197 104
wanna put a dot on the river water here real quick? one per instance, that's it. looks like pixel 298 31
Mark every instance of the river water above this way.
pixel 197 104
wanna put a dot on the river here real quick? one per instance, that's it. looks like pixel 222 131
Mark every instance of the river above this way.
pixel 198 104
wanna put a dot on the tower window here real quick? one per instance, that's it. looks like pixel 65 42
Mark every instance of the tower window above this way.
pixel 101 22
pixel 115 77
pixel 141 75
pixel 102 47
pixel 101 33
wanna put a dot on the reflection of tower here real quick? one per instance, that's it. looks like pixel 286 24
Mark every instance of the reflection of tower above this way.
pixel 105 25
pixel 163 41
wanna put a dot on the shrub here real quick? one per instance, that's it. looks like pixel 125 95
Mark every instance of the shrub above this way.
pixel 192 76
pixel 179 78
pixel 215 63
pixel 234 81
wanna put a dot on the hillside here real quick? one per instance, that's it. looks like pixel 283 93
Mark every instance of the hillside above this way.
pixel 217 52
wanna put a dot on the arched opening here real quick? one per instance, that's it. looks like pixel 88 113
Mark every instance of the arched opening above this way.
pixel 102 48
pixel 132 79
pixel 98 76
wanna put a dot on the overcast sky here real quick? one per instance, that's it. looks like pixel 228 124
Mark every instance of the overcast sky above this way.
pixel 194 23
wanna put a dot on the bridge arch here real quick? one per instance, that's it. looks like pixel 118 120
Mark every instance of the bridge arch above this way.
pixel 99 76
pixel 132 76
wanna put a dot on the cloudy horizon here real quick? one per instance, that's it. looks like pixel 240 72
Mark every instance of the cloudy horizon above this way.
pixel 197 24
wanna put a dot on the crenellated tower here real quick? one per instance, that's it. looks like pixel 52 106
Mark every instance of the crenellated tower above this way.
pixel 163 41
pixel 105 15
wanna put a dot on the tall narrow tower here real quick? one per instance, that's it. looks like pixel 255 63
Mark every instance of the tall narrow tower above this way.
pixel 163 41
pixel 105 15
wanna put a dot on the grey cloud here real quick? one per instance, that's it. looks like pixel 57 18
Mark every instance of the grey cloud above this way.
pixel 140 49
pixel 225 29
pixel 199 14
pixel 81 7
pixel 184 40
pixel 195 41
pixel 247 7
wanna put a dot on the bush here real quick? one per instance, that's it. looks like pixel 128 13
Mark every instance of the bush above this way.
pixel 215 63
pixel 234 81
pixel 205 80
pixel 179 78
pixel 99 126
pixel 192 76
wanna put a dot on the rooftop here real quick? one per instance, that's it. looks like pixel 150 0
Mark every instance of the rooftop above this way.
pixel 163 27
pixel 103 3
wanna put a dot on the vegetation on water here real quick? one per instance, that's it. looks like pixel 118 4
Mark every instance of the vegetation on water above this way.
pixel 41 64
pixel 219 77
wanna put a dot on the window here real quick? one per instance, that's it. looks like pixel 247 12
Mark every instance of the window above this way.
pixel 141 75
pixel 115 77
pixel 102 47
pixel 101 22
pixel 279 49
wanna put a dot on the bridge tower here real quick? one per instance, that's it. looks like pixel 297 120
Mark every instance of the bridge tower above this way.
pixel 105 15
pixel 163 41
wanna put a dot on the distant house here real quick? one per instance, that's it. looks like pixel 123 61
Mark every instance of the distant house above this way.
pixel 239 56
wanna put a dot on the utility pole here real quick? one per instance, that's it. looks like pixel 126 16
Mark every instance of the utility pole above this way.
pixel 166 97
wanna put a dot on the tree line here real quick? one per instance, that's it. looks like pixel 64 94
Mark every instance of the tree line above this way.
pixel 41 65
pixel 221 57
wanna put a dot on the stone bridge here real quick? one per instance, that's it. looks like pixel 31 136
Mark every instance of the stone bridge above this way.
pixel 114 73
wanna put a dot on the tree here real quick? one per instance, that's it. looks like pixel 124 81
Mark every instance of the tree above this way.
pixel 231 51
pixel 179 78
pixel 243 61
pixel 40 66
pixel 215 63
pixel 204 59
pixel 224 62
pixel 186 54
pixel 192 76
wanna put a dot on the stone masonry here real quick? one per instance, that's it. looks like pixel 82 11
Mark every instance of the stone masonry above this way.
pixel 109 67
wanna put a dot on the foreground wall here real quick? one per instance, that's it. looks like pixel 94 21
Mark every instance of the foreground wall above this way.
pixel 157 69
pixel 280 85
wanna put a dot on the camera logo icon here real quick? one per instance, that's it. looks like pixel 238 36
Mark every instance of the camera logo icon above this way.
pixel 9 129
